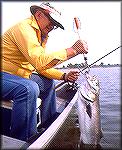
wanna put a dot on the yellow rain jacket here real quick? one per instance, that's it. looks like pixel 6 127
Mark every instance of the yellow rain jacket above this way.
pixel 22 52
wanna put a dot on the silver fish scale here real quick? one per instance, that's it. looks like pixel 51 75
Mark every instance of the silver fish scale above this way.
pixel 89 111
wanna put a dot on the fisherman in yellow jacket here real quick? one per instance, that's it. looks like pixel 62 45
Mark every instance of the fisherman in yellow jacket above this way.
pixel 23 52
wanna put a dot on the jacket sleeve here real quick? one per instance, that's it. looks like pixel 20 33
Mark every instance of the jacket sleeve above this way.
pixel 27 42
pixel 52 73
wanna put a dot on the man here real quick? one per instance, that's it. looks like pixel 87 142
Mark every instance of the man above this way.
pixel 23 52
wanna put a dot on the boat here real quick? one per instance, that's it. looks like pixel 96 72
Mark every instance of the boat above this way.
pixel 66 96
pixel 86 98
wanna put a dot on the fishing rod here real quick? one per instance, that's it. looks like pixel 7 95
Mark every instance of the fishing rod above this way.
pixel 60 84
pixel 77 24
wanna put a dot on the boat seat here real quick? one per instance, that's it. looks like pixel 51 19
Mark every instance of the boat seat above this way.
pixel 9 103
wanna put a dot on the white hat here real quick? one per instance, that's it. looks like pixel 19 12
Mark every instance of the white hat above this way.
pixel 54 15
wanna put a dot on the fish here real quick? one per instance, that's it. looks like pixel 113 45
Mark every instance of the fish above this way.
pixel 88 110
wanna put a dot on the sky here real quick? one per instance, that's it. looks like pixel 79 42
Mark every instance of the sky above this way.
pixel 100 27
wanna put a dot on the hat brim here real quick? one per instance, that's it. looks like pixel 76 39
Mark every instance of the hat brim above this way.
pixel 33 10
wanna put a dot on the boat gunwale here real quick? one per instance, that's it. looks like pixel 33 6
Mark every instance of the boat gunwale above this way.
pixel 46 137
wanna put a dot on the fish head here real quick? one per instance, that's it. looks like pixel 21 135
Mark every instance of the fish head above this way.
pixel 93 83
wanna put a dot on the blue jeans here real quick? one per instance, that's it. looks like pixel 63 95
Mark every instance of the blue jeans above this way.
pixel 24 93
pixel 48 96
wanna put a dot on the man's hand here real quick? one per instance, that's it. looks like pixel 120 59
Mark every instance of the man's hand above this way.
pixel 72 76
pixel 80 47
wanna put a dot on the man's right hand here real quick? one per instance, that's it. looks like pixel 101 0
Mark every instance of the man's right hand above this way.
pixel 80 47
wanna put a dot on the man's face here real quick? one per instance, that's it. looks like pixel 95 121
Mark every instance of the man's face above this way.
pixel 48 28
pixel 44 22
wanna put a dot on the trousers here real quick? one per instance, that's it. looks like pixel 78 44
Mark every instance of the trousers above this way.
pixel 24 93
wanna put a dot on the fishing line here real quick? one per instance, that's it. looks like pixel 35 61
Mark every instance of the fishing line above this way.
pixel 102 57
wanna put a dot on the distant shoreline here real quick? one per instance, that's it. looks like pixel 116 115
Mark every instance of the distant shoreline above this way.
pixel 95 66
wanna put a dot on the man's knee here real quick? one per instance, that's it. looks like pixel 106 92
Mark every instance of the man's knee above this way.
pixel 33 87
pixel 29 88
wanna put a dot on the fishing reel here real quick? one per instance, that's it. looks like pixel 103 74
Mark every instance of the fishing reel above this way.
pixel 85 70
pixel 73 85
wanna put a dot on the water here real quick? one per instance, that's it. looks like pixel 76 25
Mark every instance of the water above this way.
pixel 110 105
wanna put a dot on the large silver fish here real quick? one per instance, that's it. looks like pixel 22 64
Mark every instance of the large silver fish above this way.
pixel 89 111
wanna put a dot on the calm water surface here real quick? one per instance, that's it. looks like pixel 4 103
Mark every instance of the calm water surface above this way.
pixel 110 102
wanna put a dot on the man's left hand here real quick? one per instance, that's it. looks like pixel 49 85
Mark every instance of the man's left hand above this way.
pixel 72 76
